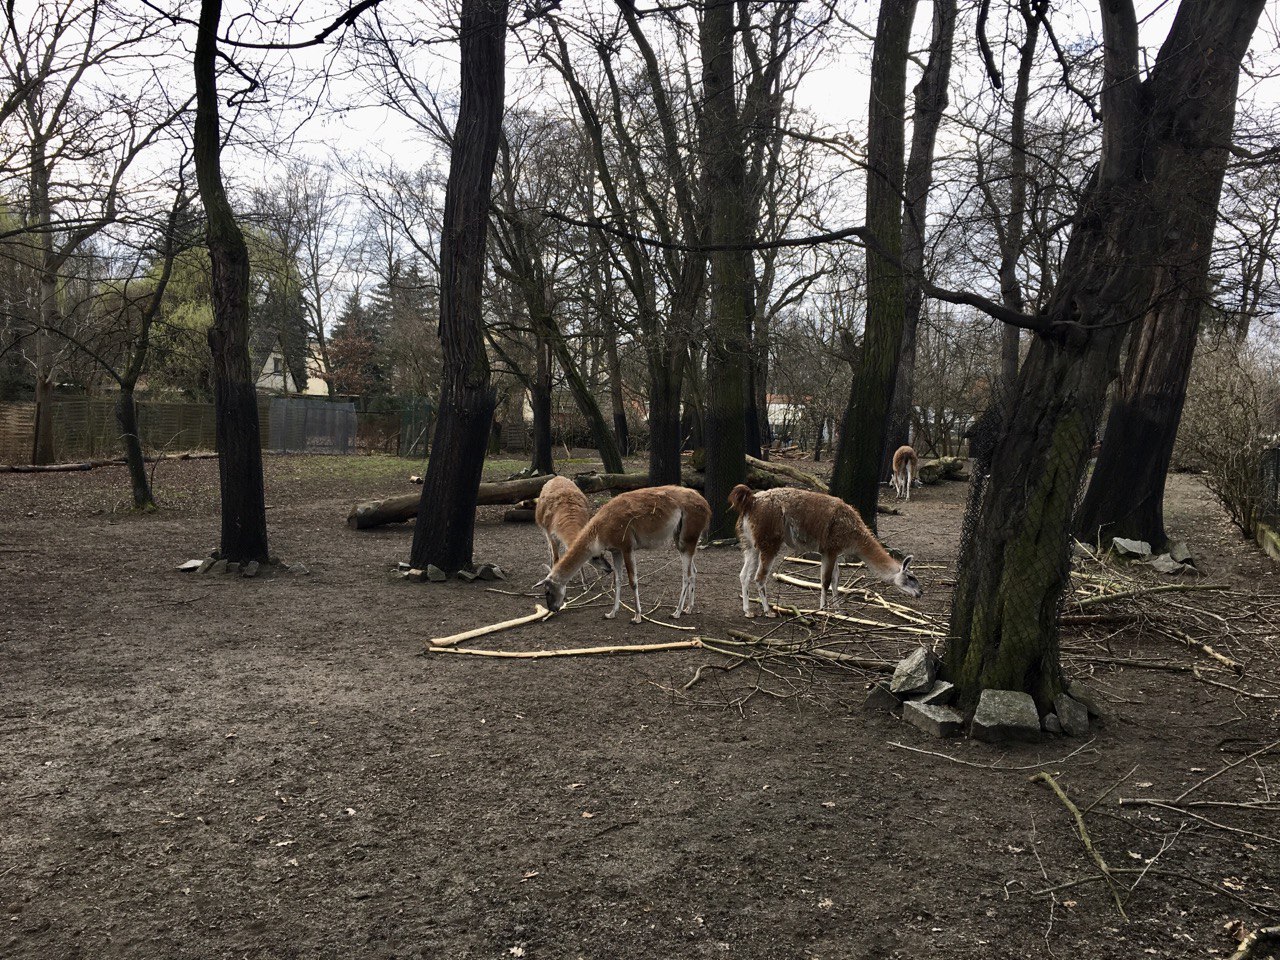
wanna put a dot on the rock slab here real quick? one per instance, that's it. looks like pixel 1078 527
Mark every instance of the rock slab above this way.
pixel 435 574
pixel 915 674
pixel 880 698
pixel 190 566
pixel 935 720
pixel 940 694
pixel 1006 715
pixel 1072 714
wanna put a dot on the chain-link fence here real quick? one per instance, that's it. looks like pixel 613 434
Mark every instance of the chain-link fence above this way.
pixel 417 417
pixel 1269 496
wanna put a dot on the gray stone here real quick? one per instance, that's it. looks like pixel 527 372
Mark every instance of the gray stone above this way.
pixel 435 574
pixel 190 566
pixel 1131 548
pixel 1006 715
pixel 1051 724
pixel 880 698
pixel 1166 564
pixel 1072 714
pixel 1180 552
pixel 1092 702
pixel 251 568
pixel 216 553
pixel 933 719
pixel 205 565
pixel 467 576
pixel 404 567
pixel 219 566
pixel 497 571
pixel 233 567
pixel 299 568
pixel 915 674
pixel 940 694
pixel 485 572
pixel 417 576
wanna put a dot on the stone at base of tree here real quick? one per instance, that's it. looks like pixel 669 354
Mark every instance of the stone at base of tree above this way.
pixel 1072 714
pixel 467 576
pixel 402 566
pixel 215 553
pixel 416 575
pixel 1087 696
pixel 1180 552
pixel 1005 715
pixel 486 571
pixel 880 698
pixel 915 674
pixel 219 566
pixel 1166 564
pixel 1131 549
pixel 933 719
pixel 435 574
pixel 940 694
pixel 251 568
pixel 1051 724
pixel 233 567
pixel 205 564
pixel 190 566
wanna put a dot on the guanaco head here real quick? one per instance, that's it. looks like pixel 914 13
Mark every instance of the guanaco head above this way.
pixel 906 581
pixel 741 498
pixel 555 593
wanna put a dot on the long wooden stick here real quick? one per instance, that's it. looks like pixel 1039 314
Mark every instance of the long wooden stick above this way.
pixel 540 613
pixel 571 651
pixel 1043 777
pixel 844 618
pixel 1230 766
pixel 1144 591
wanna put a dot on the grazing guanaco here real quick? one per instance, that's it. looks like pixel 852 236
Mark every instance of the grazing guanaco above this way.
pixel 807 520
pixel 562 512
pixel 906 466
pixel 639 518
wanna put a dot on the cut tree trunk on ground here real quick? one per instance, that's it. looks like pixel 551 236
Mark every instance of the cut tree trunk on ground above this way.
pixel 944 468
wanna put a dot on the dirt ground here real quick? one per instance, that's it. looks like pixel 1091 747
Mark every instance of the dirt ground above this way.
pixel 219 767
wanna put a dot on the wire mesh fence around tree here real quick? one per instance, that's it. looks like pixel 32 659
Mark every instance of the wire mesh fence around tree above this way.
pixel 307 425
pixel 1269 497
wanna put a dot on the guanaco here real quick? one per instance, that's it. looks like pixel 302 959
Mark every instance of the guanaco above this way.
pixel 807 520
pixel 562 512
pixel 640 518
pixel 906 466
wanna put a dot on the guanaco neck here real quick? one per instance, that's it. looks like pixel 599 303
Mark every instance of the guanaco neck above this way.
pixel 871 551
pixel 581 550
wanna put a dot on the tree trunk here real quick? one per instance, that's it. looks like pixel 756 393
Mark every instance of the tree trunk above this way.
pixel 621 431
pixel 446 523
pixel 127 418
pixel 238 435
pixel 856 475
pixel 665 376
pixel 931 102
pixel 540 394
pixel 588 406
pixel 728 352
pixel 1014 566
pixel 42 446
pixel 1126 493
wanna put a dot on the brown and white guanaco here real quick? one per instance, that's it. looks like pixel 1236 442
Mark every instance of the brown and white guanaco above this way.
pixel 807 520
pixel 640 518
pixel 906 466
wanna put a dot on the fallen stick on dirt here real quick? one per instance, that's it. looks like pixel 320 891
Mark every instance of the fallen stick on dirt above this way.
pixel 540 613
pixel 1195 672
pixel 1043 777
pixel 1144 591
pixel 997 765
pixel 858 621
pixel 690 644
pixel 1230 766
pixel 1166 805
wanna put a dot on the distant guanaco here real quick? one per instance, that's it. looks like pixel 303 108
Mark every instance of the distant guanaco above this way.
pixel 641 518
pixel 807 520
pixel 906 466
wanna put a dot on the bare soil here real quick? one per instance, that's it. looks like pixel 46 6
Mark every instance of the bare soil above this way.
pixel 220 767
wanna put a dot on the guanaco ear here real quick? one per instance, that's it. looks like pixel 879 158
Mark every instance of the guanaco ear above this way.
pixel 906 561
pixel 540 584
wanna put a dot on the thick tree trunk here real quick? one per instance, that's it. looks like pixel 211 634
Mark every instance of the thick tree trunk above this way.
pixel 856 474
pixel 621 431
pixel 446 523
pixel 127 418
pixel 728 402
pixel 588 406
pixel 1126 493
pixel 931 103
pixel 238 435
pixel 1014 567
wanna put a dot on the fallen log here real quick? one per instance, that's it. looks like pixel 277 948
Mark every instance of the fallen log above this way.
pixel 943 468
pixel 95 464
pixel 806 481
pixel 376 513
